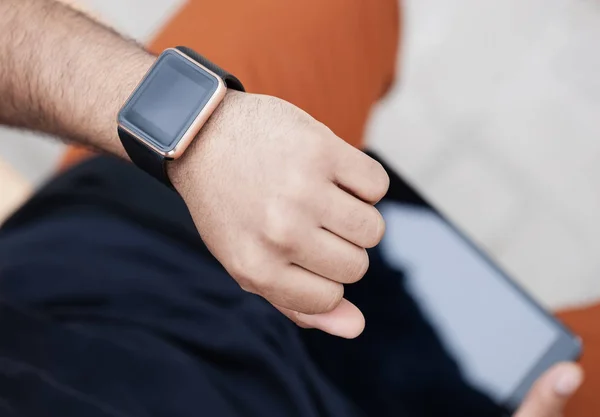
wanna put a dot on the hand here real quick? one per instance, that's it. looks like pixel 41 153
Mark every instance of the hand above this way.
pixel 551 392
pixel 286 206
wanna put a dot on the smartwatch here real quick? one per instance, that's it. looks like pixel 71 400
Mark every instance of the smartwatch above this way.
pixel 168 108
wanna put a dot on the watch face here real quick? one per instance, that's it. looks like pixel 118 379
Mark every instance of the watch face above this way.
pixel 169 101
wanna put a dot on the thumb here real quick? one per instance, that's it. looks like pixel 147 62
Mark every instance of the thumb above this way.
pixel 551 392
pixel 346 320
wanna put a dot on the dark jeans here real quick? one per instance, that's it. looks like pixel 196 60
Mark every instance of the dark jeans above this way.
pixel 112 306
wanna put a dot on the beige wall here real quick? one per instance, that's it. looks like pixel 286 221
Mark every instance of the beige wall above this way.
pixel 497 118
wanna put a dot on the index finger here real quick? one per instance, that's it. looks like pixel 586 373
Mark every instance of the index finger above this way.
pixel 361 175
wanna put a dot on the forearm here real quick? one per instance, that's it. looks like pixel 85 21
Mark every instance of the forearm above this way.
pixel 64 74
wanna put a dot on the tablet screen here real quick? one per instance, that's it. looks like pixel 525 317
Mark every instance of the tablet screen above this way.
pixel 494 332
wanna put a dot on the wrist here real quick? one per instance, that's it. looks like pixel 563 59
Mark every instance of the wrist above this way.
pixel 93 119
pixel 193 160
pixel 129 70
pixel 173 115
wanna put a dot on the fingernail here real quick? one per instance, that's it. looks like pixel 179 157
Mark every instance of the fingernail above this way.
pixel 568 382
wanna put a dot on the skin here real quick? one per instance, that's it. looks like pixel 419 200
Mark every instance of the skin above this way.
pixel 551 392
pixel 284 204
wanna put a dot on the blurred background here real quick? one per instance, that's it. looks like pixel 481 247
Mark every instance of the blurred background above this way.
pixel 495 117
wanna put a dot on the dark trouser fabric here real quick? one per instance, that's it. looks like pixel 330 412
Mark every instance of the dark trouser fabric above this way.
pixel 112 306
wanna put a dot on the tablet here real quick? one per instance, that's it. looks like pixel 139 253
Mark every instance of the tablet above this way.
pixel 501 338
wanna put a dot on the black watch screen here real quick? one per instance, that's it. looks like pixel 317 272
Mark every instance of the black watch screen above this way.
pixel 163 107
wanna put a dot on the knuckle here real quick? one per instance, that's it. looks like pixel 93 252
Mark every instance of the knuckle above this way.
pixel 247 273
pixel 280 231
pixel 302 189
pixel 367 225
pixel 374 233
pixel 358 218
pixel 319 143
pixel 380 181
pixel 331 298
pixel 244 280
pixel 357 268
pixel 325 300
pixel 316 152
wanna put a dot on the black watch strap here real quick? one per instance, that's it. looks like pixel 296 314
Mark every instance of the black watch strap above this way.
pixel 150 161
pixel 231 81
pixel 145 158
